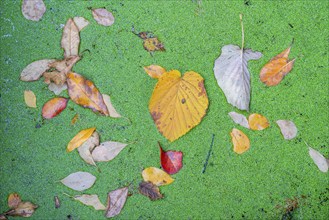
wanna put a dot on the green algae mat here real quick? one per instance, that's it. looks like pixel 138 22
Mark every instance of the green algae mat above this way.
pixel 274 179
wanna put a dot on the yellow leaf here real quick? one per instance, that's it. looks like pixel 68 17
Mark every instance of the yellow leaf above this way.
pixel 154 71
pixel 80 138
pixel 178 103
pixel 30 99
pixel 156 176
pixel 13 200
pixel 257 122
pixel 240 141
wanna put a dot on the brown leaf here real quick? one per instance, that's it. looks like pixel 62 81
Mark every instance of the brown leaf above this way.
pixel 54 107
pixel 240 141
pixel 56 77
pixel 24 209
pixel 30 99
pixel 112 112
pixel 103 16
pixel 64 66
pixel 74 119
pixel 154 71
pixel 83 92
pixel 150 190
pixel 33 9
pixel 153 44
pixel 13 200
pixel 70 39
pixel 87 147
pixel 34 70
pixel 115 202
pixel 80 22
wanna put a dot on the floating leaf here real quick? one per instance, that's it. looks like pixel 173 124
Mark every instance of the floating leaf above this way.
pixel 155 71
pixel 171 161
pixel 240 141
pixel 57 89
pixel 64 66
pixel 54 76
pixel 79 181
pixel 54 107
pixel 150 190
pixel 153 44
pixel 74 119
pixel 83 92
pixel 276 69
pixel 70 39
pixel 87 147
pixel 24 209
pixel 30 99
pixel 80 138
pixel 239 119
pixel 288 129
pixel 90 200
pixel 258 122
pixel 103 16
pixel 33 9
pixel 57 202
pixel 34 70
pixel 156 176
pixel 178 103
pixel 115 202
pixel 80 22
pixel 112 112
pixel 107 151
pixel 320 161
pixel 13 200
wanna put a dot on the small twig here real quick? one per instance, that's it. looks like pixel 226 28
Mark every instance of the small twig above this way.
pixel 209 152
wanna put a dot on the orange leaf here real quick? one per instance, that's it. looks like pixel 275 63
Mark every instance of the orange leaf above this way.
pixel 154 71
pixel 178 103
pixel 240 141
pixel 54 107
pixel 79 139
pixel 258 122
pixel 84 93
pixel 275 70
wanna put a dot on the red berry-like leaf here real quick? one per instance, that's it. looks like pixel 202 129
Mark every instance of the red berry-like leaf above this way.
pixel 171 161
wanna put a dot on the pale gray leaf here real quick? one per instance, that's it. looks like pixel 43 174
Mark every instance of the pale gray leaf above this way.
pixel 107 151
pixel 103 16
pixel 113 113
pixel 57 89
pixel 80 22
pixel 70 39
pixel 115 202
pixel 34 70
pixel 33 9
pixel 90 200
pixel 319 160
pixel 239 119
pixel 87 147
pixel 288 129
pixel 79 181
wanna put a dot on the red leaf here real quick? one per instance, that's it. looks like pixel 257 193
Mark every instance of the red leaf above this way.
pixel 171 161
pixel 53 107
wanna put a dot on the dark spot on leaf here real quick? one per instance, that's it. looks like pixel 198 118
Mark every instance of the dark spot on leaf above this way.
pixel 203 90
pixel 183 100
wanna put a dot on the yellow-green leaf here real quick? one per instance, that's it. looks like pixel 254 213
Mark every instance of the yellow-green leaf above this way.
pixel 156 176
pixel 79 139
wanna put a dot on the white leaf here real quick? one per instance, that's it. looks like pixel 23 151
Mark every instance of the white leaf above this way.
pixel 34 70
pixel 103 16
pixel 288 129
pixel 79 181
pixel 115 202
pixel 107 151
pixel 80 22
pixel 87 147
pixel 239 119
pixel 70 39
pixel 33 9
pixel 57 89
pixel 90 200
pixel 231 72
pixel 319 160
pixel 110 108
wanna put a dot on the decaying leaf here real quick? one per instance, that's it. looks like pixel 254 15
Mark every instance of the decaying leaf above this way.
pixel 115 202
pixel 152 44
pixel 240 141
pixel 54 76
pixel 79 181
pixel 320 161
pixel 24 209
pixel 87 147
pixel 74 119
pixel 54 107
pixel 57 202
pixel 288 129
pixel 34 70
pixel 156 176
pixel 83 92
pixel 150 190
pixel 13 200
pixel 258 122
pixel 33 9
pixel 276 69
pixel 112 112
pixel 107 151
pixel 171 161
pixel 154 71
pixel 70 39
pixel 239 119
pixel 80 22
pixel 103 16
pixel 80 138
pixel 57 89
pixel 178 103
pixel 64 66
pixel 90 200
pixel 30 99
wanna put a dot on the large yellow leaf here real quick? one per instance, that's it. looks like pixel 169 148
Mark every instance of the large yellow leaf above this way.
pixel 156 176
pixel 178 103
pixel 80 138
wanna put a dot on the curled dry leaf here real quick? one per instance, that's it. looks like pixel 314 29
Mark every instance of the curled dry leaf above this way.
pixel 240 141
pixel 87 147
pixel 150 190
pixel 115 202
pixel 112 112
pixel 57 89
pixel 79 181
pixel 156 176
pixel 80 22
pixel 30 99
pixel 103 16
pixel 13 200
pixel 107 151
pixel 34 70
pixel 80 138
pixel 154 71
pixel 288 129
pixel 178 103
pixel 56 77
pixel 171 161
pixel 258 122
pixel 33 9
pixel 83 92
pixel 54 107
pixel 90 200
pixel 70 39
pixel 320 161
pixel 64 66
pixel 276 69
pixel 239 119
